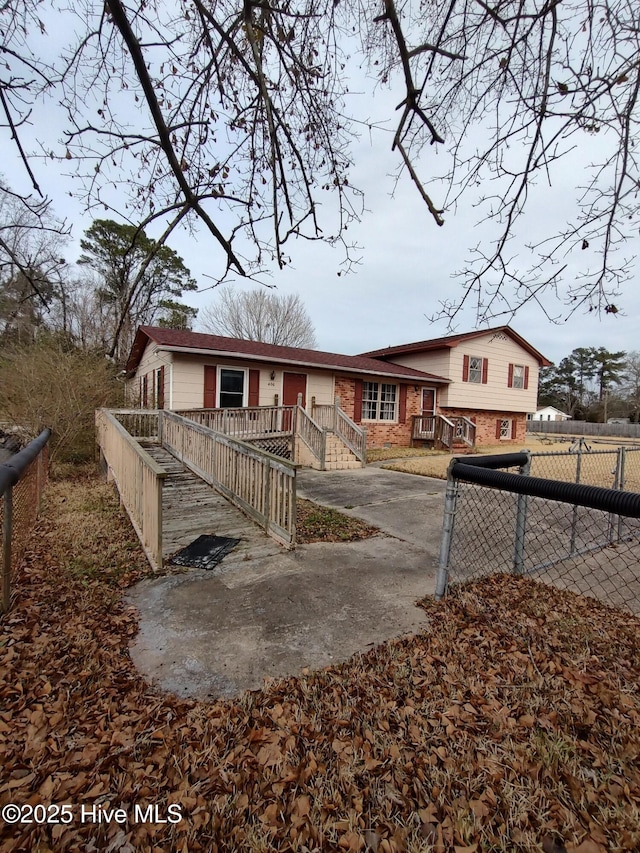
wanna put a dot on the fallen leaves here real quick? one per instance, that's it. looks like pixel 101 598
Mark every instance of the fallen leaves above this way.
pixel 512 724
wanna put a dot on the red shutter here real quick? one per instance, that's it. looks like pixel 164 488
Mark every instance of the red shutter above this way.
pixel 510 377
pixel 402 408
pixel 161 388
pixel 514 428
pixel 498 425
pixel 357 400
pixel 254 387
pixel 145 392
pixel 465 368
pixel 526 378
pixel 485 370
pixel 209 387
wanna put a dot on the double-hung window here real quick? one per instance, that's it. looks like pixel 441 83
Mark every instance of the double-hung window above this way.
pixel 474 369
pixel 379 401
pixel 518 376
pixel 231 388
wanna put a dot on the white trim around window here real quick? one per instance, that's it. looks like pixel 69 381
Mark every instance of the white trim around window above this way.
pixel 379 402
pixel 233 398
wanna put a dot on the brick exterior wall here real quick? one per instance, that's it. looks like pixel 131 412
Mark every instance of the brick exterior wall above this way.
pixel 486 424
pixel 380 433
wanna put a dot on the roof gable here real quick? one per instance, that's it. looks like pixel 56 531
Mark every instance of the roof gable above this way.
pixel 450 341
pixel 179 340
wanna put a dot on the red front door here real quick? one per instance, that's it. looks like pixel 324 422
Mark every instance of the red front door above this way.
pixel 292 385
pixel 428 401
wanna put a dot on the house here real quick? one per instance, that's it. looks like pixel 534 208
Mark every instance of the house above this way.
pixel 475 388
pixel 493 379
pixel 182 370
pixel 549 413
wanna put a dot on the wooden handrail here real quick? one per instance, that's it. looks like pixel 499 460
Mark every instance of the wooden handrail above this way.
pixel 139 479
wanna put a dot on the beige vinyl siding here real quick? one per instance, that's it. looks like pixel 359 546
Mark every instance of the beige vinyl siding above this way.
pixel 151 361
pixel 436 362
pixel 188 380
pixel 495 395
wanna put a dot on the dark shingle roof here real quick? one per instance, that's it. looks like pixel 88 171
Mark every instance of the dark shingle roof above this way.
pixel 450 341
pixel 178 339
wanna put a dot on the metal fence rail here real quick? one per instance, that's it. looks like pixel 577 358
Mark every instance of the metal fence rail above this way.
pixel 583 536
pixel 22 482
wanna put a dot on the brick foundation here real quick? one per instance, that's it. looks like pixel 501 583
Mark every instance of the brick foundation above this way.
pixel 486 425
pixel 380 433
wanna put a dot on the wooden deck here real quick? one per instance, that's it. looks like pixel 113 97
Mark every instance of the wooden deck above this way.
pixel 191 508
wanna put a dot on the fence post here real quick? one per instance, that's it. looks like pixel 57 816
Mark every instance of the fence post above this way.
pixel 450 501
pixel 574 515
pixel 521 521
pixel 336 406
pixel 618 483
pixel 7 526
pixel 160 426
pixel 622 461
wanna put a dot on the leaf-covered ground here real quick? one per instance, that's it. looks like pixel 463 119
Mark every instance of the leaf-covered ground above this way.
pixel 315 523
pixel 512 724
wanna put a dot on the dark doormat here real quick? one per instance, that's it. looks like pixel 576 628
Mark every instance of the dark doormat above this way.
pixel 205 552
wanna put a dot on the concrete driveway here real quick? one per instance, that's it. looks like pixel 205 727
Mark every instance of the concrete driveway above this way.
pixel 219 633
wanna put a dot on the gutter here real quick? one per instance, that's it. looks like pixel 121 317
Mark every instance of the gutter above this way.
pixel 416 377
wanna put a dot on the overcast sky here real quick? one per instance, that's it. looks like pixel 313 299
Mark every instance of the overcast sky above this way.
pixel 407 264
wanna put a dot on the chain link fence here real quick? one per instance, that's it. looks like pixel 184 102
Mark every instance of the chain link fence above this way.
pixel 22 482
pixel 584 537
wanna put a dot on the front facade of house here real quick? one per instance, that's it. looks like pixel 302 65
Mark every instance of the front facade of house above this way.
pixel 493 379
pixel 490 378
pixel 182 370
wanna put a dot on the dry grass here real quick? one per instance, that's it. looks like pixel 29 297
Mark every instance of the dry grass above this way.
pixel 596 468
pixel 511 724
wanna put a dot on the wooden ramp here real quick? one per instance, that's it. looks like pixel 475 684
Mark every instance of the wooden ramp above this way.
pixel 191 508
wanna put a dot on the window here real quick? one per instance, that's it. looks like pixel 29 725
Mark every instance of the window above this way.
pixel 505 429
pixel 518 376
pixel 475 369
pixel 378 401
pixel 231 388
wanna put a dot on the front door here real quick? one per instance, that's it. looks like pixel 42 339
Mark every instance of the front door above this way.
pixel 427 423
pixel 292 385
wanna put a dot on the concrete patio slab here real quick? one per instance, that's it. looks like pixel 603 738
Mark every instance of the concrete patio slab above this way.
pixel 212 634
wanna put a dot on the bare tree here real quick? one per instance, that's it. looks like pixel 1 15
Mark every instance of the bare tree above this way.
pixel 259 315
pixel 234 114
pixel 31 266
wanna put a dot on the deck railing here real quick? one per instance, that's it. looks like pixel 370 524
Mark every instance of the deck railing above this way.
pixel 138 477
pixel 313 435
pixel 261 484
pixel 443 431
pixel 353 436
pixel 248 423
pixel 139 423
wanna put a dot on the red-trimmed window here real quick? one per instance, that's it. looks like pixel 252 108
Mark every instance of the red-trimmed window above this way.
pixel 475 369
pixel 518 376
pixel 505 429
